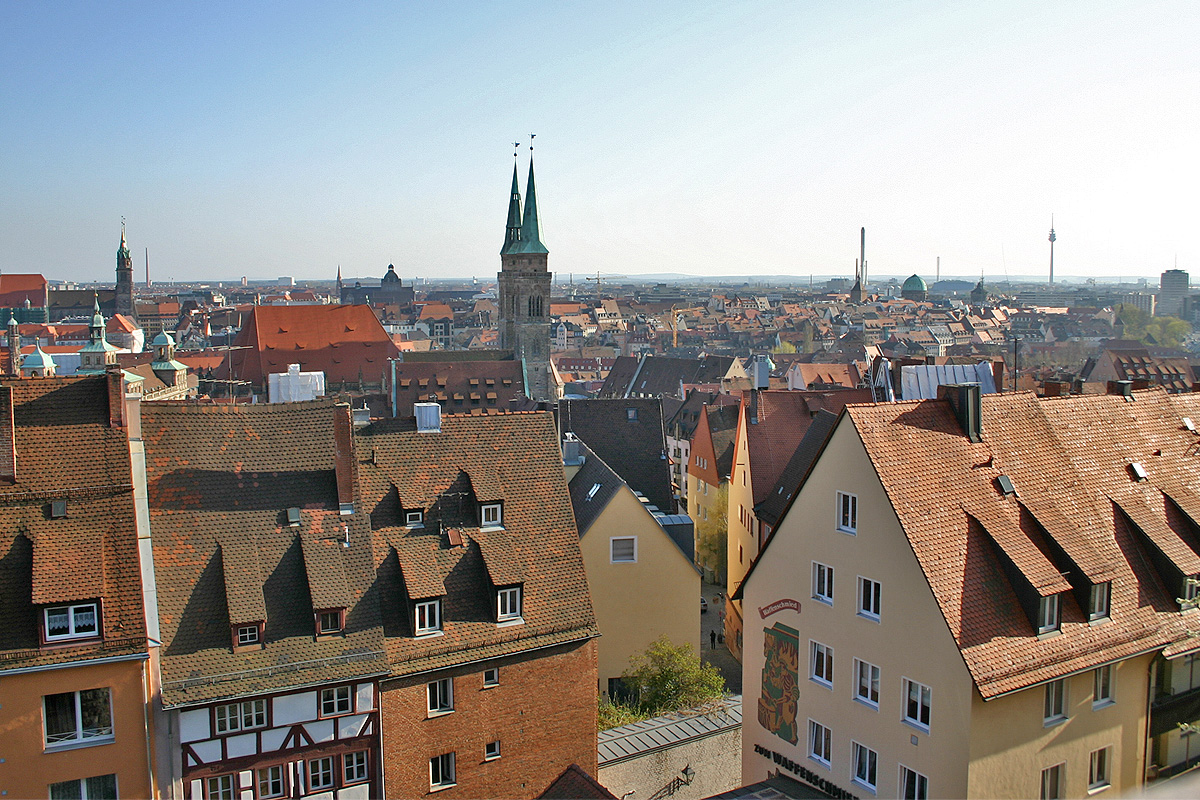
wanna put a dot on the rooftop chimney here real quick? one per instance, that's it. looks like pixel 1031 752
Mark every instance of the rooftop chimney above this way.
pixel 1123 388
pixel 429 417
pixel 8 437
pixel 343 457
pixel 967 400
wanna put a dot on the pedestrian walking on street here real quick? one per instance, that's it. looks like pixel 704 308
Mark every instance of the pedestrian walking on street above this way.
pixel 712 640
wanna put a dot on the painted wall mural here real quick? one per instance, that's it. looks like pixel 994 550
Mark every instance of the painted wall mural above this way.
pixel 780 699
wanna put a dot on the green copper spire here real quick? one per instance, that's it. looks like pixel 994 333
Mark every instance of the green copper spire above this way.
pixel 512 236
pixel 531 229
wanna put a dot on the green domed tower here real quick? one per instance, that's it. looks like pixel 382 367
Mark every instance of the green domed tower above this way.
pixel 914 288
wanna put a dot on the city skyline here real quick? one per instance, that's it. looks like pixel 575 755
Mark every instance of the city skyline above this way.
pixel 699 139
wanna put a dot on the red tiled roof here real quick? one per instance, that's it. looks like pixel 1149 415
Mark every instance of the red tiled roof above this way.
pixel 16 288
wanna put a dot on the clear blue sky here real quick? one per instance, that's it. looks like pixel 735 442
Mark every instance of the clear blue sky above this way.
pixel 268 139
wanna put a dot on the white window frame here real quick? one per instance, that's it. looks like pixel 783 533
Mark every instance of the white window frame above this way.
pixel 920 785
pixel 491 515
pixel 1058 774
pixel 321 767
pixel 81 736
pixel 414 519
pixel 868 759
pixel 427 617
pixel 820 664
pixel 355 767
pixel 820 743
pixel 1048 614
pixel 870 605
pixel 322 616
pixel 1100 601
pixel 242 716
pixel 1100 769
pixel 336 701
pixel 924 703
pixel 214 790
pixel 822 583
pixel 1054 707
pixel 866 678
pixel 612 555
pixel 247 635
pixel 269 776
pixel 491 677
pixel 508 604
pixel 847 513
pixel 82 786
pixel 1103 690
pixel 491 751
pixel 440 696
pixel 441 771
pixel 73 611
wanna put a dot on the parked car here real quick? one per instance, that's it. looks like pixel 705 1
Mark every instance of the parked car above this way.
pixel 703 605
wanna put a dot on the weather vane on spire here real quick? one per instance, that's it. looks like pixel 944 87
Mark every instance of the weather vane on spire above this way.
pixel 531 141
pixel 516 148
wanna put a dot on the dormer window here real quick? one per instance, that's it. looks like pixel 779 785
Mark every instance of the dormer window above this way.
pixel 79 621
pixel 58 509
pixel 428 617
pixel 490 515
pixel 508 604
pixel 1100 599
pixel 1048 616
pixel 414 519
pixel 247 635
pixel 330 622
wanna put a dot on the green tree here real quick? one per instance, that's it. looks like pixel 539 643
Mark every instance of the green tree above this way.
pixel 1134 319
pixel 712 533
pixel 784 347
pixel 669 677
pixel 1166 331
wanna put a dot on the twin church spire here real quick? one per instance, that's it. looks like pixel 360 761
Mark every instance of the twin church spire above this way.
pixel 524 232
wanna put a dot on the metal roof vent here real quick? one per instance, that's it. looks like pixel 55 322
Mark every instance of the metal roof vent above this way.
pixel 1139 472
pixel 1006 485
pixel 293 517
pixel 429 417
pixel 58 509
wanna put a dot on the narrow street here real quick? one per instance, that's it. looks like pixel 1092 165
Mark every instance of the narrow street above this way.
pixel 720 657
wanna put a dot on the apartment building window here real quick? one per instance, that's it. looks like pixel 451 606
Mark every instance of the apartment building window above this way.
pixel 847 510
pixel 1098 777
pixel 441 771
pixel 428 617
pixel 822 664
pixel 822 580
pixel 913 785
pixel 917 701
pixel 220 787
pixel 865 765
pixel 1100 600
pixel 491 751
pixel 491 677
pixel 335 701
pixel 866 683
pixel 100 787
pixel 508 604
pixel 270 782
pixel 354 767
pixel 869 595
pixel 1053 780
pixel 441 696
pixel 1055 709
pixel 75 717
pixel 820 742
pixel 1048 614
pixel 623 549
pixel 79 621
pixel 1102 686
pixel 240 716
pixel 320 773
pixel 329 622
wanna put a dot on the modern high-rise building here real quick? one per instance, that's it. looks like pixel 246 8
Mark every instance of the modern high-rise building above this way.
pixel 1172 292
pixel 525 290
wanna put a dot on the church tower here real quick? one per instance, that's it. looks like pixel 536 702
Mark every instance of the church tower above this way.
pixel 524 279
pixel 125 279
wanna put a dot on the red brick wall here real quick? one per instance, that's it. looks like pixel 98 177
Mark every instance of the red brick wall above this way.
pixel 543 713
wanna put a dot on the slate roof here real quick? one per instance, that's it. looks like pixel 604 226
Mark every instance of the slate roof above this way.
pixel 67 450
pixel 220 481
pixel 338 340
pixel 516 457
pixel 635 448
pixel 1069 461
pixel 459 386
pixel 654 376
pixel 797 467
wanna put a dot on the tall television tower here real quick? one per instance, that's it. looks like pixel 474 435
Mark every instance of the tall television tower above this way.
pixel 1052 238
